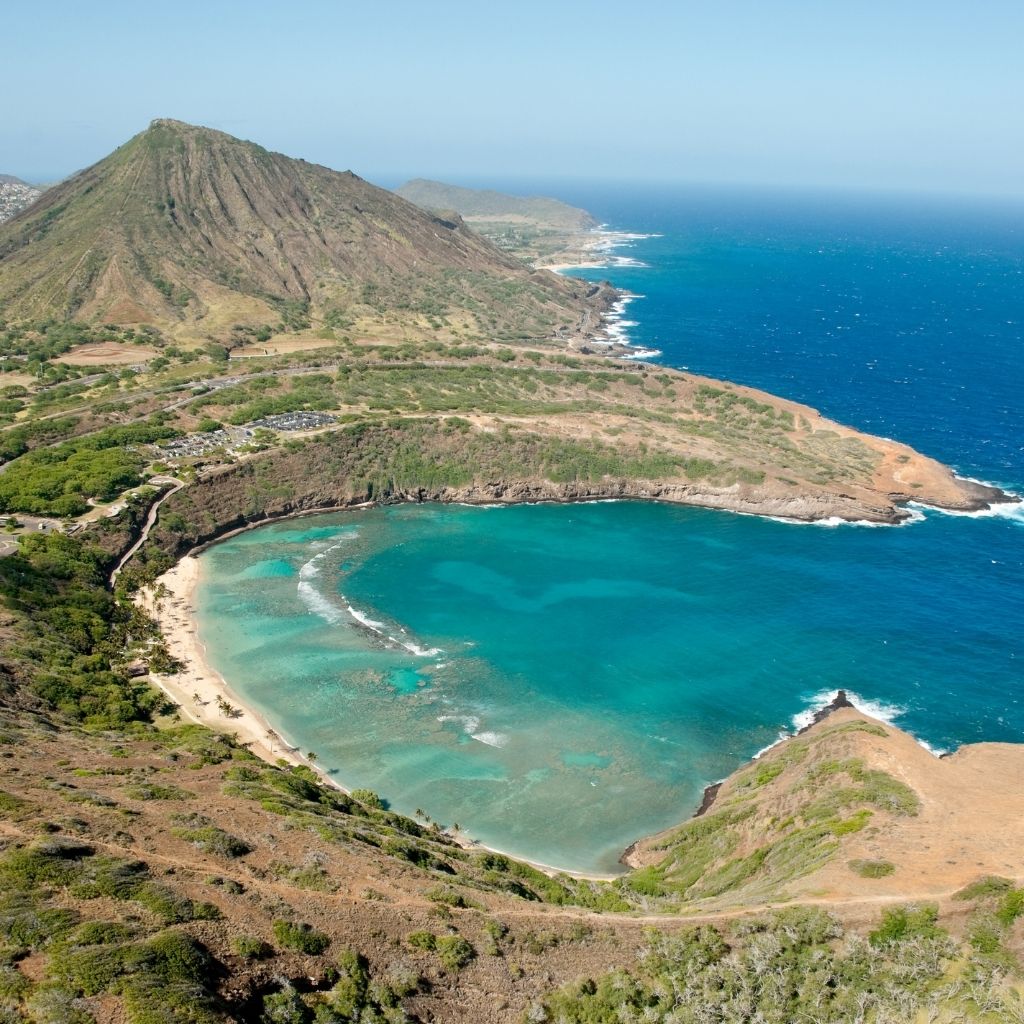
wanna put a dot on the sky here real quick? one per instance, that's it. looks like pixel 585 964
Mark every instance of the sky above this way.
pixel 922 95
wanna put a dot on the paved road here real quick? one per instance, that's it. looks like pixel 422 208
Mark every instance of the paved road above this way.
pixel 150 522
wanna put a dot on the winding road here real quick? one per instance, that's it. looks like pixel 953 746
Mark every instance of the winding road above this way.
pixel 176 485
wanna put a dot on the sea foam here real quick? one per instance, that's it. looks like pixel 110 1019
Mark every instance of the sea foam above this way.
pixel 879 709
pixel 470 723
pixel 316 602
pixel 492 739
pixel 319 604
pixel 1009 510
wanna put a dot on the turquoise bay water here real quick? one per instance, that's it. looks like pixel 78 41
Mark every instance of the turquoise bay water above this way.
pixel 586 670
pixel 562 680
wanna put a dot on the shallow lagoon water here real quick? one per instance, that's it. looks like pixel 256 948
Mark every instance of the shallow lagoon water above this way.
pixel 595 666
pixel 563 680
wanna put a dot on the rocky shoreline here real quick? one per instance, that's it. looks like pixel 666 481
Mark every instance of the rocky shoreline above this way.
pixel 215 501
pixel 841 700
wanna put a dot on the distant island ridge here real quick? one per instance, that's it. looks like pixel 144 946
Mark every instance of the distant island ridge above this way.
pixel 538 229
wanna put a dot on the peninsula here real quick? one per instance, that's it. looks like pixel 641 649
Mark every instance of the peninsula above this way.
pixel 538 229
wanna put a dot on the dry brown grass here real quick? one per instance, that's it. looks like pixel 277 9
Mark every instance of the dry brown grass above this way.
pixel 107 353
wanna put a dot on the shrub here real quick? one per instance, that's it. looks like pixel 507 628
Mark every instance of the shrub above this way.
pixel 422 940
pixel 448 897
pixel 213 840
pixel 13 984
pixel 899 923
pixel 151 791
pixel 250 947
pixel 56 1005
pixel 101 933
pixel 872 868
pixel 454 952
pixel 368 798
pixel 11 806
pixel 285 1007
pixel 172 908
pixel 300 937
pixel 312 876
pixel 1011 907
pixel 991 885
pixel 176 956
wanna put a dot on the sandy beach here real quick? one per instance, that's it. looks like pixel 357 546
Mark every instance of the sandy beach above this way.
pixel 197 689
pixel 558 268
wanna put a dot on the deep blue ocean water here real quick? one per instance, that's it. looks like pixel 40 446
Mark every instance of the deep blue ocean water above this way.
pixel 562 680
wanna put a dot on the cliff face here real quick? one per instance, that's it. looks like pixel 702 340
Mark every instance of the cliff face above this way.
pixel 234 498
pixel 433 460
pixel 486 206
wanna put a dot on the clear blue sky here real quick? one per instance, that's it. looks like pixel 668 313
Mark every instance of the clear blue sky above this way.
pixel 918 94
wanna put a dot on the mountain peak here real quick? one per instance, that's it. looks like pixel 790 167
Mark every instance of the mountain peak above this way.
pixel 171 122
pixel 194 230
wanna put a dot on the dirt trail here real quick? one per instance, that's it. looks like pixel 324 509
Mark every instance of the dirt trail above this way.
pixel 510 907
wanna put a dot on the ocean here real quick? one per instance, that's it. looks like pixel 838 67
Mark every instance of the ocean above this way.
pixel 561 680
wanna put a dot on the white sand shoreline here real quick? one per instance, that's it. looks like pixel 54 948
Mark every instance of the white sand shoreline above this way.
pixel 198 690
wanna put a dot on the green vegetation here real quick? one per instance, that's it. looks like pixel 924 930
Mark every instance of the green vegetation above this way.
pixel 872 787
pixel 60 480
pixel 203 835
pixel 154 791
pixel 250 947
pixel 739 851
pixel 160 973
pixel 302 938
pixel 12 807
pixel 453 951
pixel 795 965
pixel 74 634
pixel 901 923
pixel 309 876
pixel 354 996
pixel 20 438
pixel 872 868
pixel 985 888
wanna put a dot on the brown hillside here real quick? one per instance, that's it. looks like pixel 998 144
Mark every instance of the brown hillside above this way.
pixel 188 226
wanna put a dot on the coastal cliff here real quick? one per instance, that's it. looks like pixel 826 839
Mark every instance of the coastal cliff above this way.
pixel 417 460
